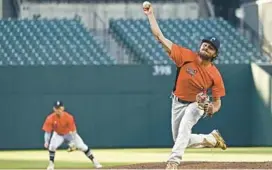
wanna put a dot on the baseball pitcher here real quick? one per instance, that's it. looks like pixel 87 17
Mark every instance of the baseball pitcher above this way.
pixel 61 126
pixel 196 73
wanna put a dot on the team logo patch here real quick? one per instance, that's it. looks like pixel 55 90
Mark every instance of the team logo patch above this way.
pixel 191 71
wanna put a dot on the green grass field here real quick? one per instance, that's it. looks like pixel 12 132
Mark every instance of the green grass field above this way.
pixel 114 157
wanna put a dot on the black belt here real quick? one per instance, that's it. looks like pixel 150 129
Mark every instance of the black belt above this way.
pixel 184 101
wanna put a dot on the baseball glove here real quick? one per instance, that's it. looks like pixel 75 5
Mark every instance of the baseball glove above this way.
pixel 203 102
pixel 71 147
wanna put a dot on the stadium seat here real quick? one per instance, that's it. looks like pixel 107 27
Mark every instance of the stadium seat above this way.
pixel 49 42
pixel 135 35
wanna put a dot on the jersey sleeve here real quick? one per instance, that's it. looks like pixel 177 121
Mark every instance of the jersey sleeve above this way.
pixel 218 89
pixel 180 54
pixel 48 125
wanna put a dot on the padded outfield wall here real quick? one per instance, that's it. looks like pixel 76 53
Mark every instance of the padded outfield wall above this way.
pixel 116 106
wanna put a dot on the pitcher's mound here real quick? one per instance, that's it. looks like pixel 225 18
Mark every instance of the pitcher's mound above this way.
pixel 201 165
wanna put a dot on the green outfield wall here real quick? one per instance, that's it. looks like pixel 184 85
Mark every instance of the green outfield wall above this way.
pixel 262 105
pixel 117 106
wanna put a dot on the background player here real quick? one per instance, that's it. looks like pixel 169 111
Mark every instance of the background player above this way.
pixel 63 127
pixel 195 75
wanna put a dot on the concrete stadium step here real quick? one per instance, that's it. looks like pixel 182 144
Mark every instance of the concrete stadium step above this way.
pixel 115 50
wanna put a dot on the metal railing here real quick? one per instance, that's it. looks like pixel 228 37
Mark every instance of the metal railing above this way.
pixel 97 19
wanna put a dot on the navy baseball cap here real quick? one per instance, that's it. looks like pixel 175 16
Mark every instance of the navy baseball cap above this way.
pixel 58 104
pixel 213 41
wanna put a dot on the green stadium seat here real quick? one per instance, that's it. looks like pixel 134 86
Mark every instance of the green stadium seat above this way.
pixel 49 42
pixel 136 37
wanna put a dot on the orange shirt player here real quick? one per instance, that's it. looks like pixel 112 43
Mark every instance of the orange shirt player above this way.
pixel 61 125
pixel 196 74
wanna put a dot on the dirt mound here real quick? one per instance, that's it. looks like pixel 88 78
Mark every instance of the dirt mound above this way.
pixel 201 165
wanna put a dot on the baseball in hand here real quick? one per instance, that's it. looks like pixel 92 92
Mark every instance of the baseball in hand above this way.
pixel 146 5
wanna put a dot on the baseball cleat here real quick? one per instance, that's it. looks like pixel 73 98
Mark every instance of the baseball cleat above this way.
pixel 171 165
pixel 96 164
pixel 220 142
pixel 50 166
pixel 207 144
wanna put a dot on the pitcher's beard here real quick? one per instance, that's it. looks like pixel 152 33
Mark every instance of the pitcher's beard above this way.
pixel 204 56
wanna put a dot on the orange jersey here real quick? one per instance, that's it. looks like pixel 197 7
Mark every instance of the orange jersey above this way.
pixel 194 78
pixel 62 124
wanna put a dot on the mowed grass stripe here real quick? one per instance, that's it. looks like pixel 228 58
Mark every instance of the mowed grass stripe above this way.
pixel 25 164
